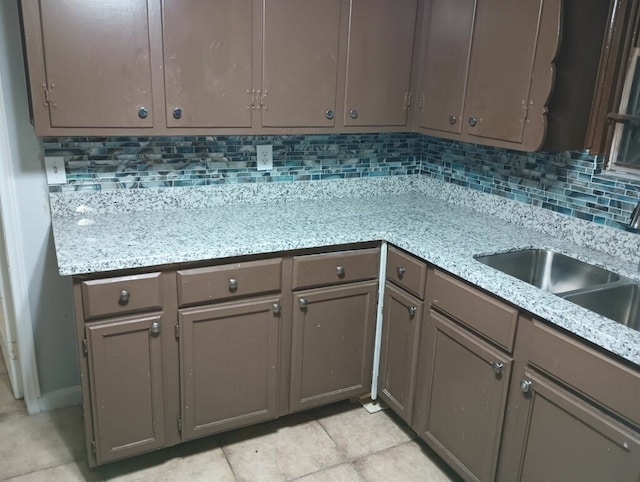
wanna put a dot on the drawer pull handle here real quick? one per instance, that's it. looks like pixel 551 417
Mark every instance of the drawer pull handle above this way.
pixel 124 298
pixel 143 112
pixel 329 114
pixel 525 386
pixel 276 308
pixel 472 121
pixel 497 367
pixel 340 271
pixel 303 303
pixel 155 328
pixel 233 284
pixel 412 310
pixel 452 119
pixel 400 270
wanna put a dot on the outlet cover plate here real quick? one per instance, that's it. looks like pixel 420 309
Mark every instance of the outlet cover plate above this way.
pixel 56 173
pixel 264 154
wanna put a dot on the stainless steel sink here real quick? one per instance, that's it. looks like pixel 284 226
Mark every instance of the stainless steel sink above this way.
pixel 548 270
pixel 620 303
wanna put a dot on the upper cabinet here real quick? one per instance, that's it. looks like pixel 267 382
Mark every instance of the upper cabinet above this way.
pixel 89 64
pixel 379 55
pixel 208 63
pixel 517 75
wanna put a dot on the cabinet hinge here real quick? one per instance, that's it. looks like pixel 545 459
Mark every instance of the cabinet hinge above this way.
pixel 176 329
pixel 85 347
pixel 525 110
pixel 407 101
pixel 47 95
pixel 93 447
pixel 263 100
pixel 421 105
pixel 180 424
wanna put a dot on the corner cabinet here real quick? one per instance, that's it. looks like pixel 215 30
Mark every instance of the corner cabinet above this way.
pixel 334 315
pixel 508 74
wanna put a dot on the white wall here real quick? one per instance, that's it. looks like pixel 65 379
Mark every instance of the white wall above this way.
pixel 49 295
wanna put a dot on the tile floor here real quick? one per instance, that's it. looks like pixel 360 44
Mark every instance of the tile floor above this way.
pixel 341 442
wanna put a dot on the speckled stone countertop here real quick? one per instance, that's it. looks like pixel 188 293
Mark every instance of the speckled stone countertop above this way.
pixel 425 221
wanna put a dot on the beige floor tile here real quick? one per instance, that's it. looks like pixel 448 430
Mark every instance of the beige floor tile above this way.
pixel 201 460
pixel 31 443
pixel 407 462
pixel 71 472
pixel 340 473
pixel 357 432
pixel 7 402
pixel 280 450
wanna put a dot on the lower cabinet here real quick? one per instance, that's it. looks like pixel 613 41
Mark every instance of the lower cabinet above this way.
pixel 229 365
pixel 462 397
pixel 332 343
pixel 127 386
pixel 399 350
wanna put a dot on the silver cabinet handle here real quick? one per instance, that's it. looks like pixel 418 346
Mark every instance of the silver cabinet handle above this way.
pixel 497 367
pixel 233 284
pixel 143 112
pixel 124 297
pixel 340 271
pixel 303 303
pixel 400 270
pixel 276 308
pixel 525 386
pixel 155 328
pixel 452 119
pixel 353 114
pixel 412 310
pixel 177 113
pixel 329 114
pixel 472 121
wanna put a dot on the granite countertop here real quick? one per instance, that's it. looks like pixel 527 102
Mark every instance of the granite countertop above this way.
pixel 431 228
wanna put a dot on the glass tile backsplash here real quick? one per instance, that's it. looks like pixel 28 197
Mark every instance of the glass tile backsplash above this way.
pixel 566 182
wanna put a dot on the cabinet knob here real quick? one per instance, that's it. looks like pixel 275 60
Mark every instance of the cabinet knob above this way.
pixel 329 114
pixel 124 297
pixel 177 113
pixel 233 284
pixel 400 270
pixel 452 119
pixel 143 112
pixel 472 121
pixel 497 367
pixel 303 303
pixel 353 114
pixel 276 308
pixel 525 386
pixel 412 310
pixel 155 328
pixel 340 271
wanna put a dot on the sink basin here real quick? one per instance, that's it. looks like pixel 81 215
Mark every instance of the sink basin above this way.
pixel 548 270
pixel 619 303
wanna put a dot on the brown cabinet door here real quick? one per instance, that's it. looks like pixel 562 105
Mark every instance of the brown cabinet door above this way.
pixel 97 63
pixel 505 38
pixel 229 365
pixel 300 62
pixel 125 372
pixel 565 438
pixel 380 50
pixel 399 350
pixel 462 393
pixel 446 50
pixel 208 62
pixel 332 343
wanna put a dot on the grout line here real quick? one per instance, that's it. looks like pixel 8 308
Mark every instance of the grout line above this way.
pixel 226 457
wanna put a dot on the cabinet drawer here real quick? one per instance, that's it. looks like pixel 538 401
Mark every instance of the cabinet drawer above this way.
pixel 202 285
pixel 594 374
pixel 406 271
pixel 480 312
pixel 334 268
pixel 121 295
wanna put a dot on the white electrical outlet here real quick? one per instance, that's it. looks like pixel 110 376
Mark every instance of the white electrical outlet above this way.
pixel 265 157
pixel 56 173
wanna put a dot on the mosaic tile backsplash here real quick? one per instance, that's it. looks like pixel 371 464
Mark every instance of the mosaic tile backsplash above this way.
pixel 139 162
pixel 569 182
